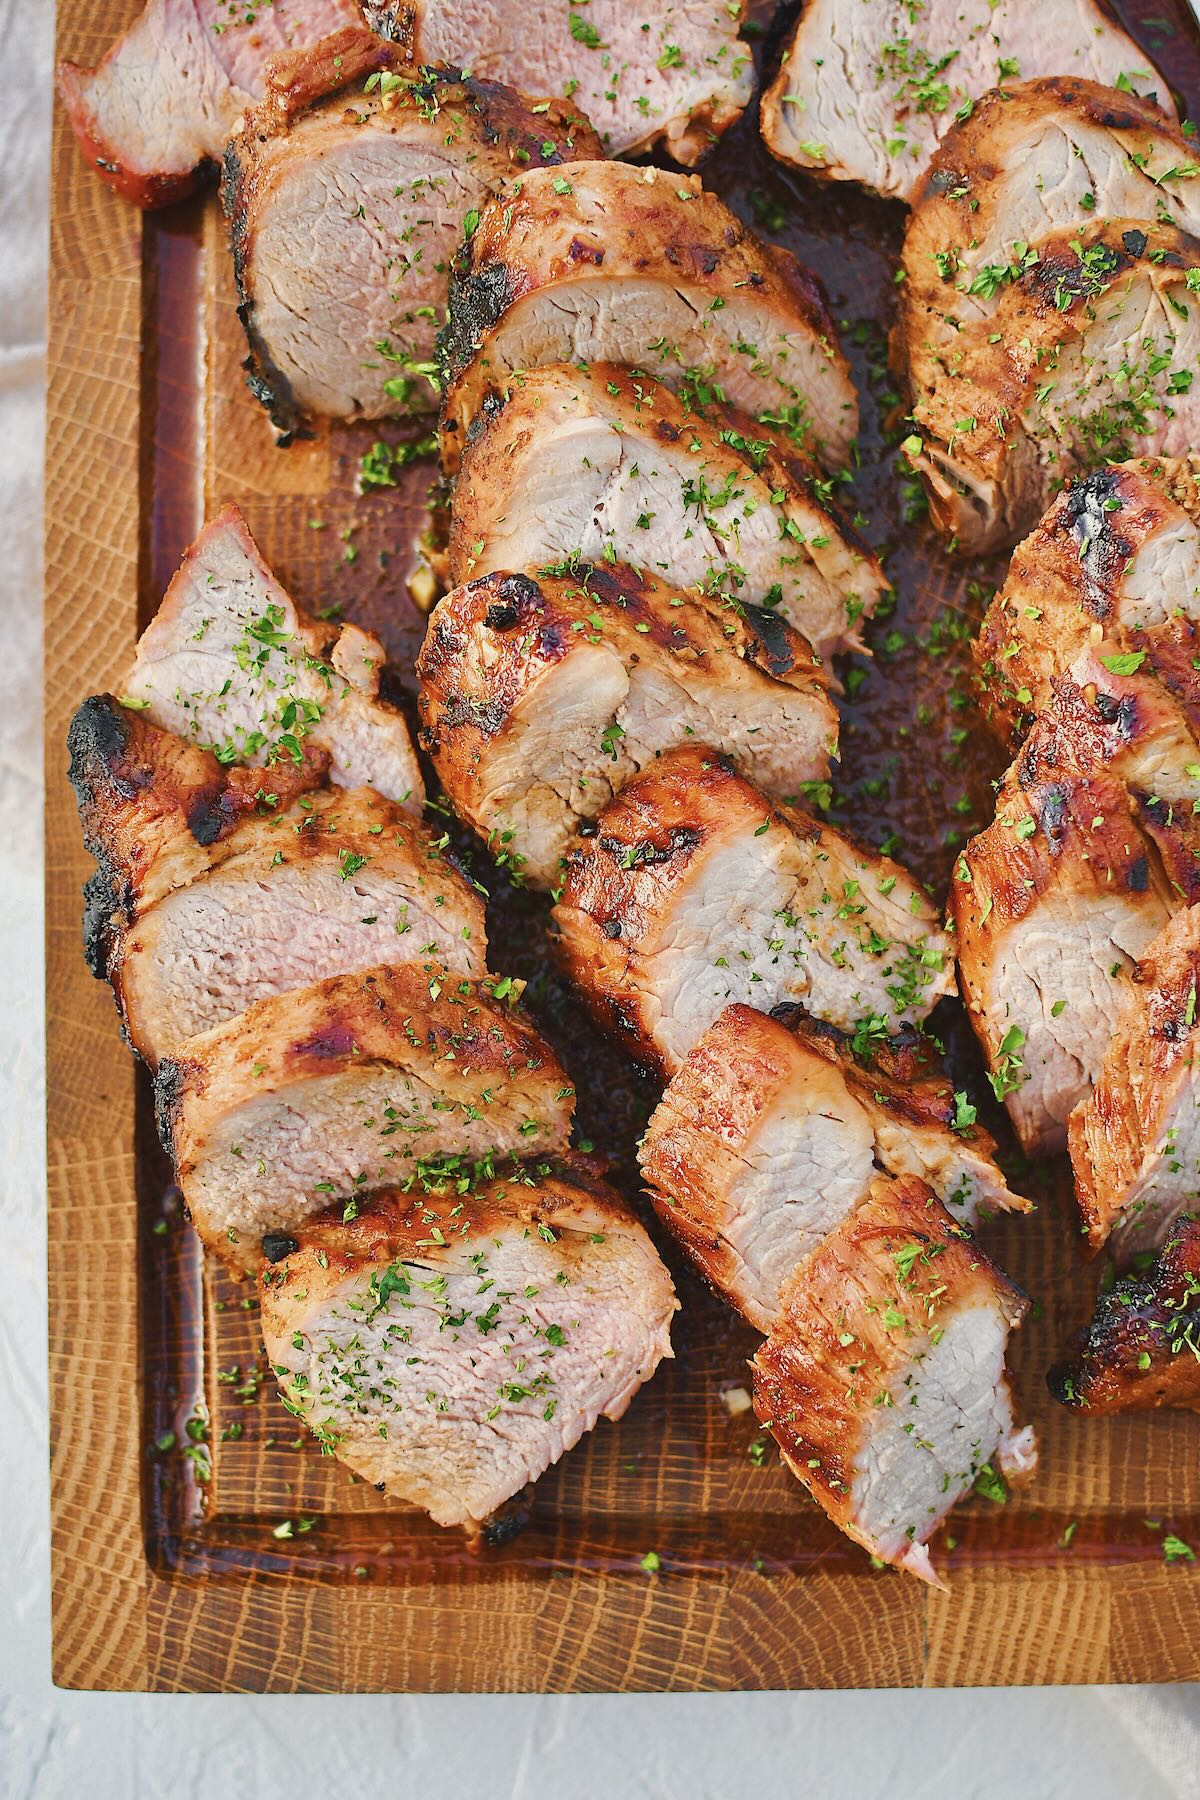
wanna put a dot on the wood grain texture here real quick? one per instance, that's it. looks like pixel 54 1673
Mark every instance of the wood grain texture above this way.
pixel 163 1582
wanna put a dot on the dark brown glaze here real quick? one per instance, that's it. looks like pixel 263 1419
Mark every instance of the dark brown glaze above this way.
pixel 1142 1347
pixel 146 797
pixel 320 93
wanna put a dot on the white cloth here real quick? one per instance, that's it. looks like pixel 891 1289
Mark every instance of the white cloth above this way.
pixel 1055 1744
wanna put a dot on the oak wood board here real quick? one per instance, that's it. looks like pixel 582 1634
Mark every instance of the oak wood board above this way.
pixel 165 1582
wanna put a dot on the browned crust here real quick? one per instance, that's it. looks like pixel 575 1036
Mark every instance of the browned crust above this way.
pixel 563 1193
pixel 1066 579
pixel 817 1377
pixel 397 1016
pixel 1152 1050
pixel 669 229
pixel 1142 1347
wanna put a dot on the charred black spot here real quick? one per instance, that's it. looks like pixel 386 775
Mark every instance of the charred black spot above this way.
pixel 611 928
pixel 170 1083
pixel 707 261
pixel 276 1245
pixel 508 1521
pixel 1121 713
pixel 210 816
pixel 578 251
pixel 502 618
pixel 1139 875
pixel 1134 242
pixel 478 301
pixel 490 408
pixel 107 903
pixel 1052 813
pixel 520 592
pixel 942 181
pixel 773 637
pixel 97 740
pixel 391 21
pixel 587 828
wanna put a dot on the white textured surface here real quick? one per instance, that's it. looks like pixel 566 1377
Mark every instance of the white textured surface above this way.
pixel 1056 1744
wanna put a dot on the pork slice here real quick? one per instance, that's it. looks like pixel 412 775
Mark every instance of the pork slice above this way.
pixel 605 262
pixel 1142 1347
pixel 152 118
pixel 884 1381
pixel 397 1077
pixel 1117 554
pixel 1087 357
pixel 451 1349
pixel 1135 1138
pixel 607 465
pixel 342 883
pixel 866 93
pixel 771 1133
pixel 541 695
pixel 694 890
pixel 230 662
pixel 155 811
pixel 677 76
pixel 1043 159
pixel 1053 905
pixel 344 215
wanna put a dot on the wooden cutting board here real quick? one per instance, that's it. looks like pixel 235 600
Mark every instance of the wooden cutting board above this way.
pixel 232 1557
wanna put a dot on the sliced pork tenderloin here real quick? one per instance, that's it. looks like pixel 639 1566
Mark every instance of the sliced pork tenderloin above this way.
pixel 883 1381
pixel 693 890
pixel 1142 1347
pixel 231 663
pixel 1117 555
pixel 866 93
pixel 450 1349
pixel 677 75
pixel 153 117
pixel 344 214
pixel 215 886
pixel 1032 162
pixel 772 1132
pixel 605 262
pixel 1088 356
pixel 607 465
pixel 402 1076
pixel 541 695
pixel 1135 1138
pixel 156 811
pixel 1053 905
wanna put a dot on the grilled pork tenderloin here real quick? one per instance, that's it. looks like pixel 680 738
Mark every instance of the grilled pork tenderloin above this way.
pixel 1135 1138
pixel 1142 1347
pixel 676 75
pixel 867 93
pixel 604 262
pixel 607 465
pixel 152 118
pixel 693 890
pixel 772 1132
pixel 230 662
pixel 451 1348
pixel 540 695
pixel 345 212
pixel 883 1381
pixel 1118 555
pixel 399 1077
pixel 217 886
